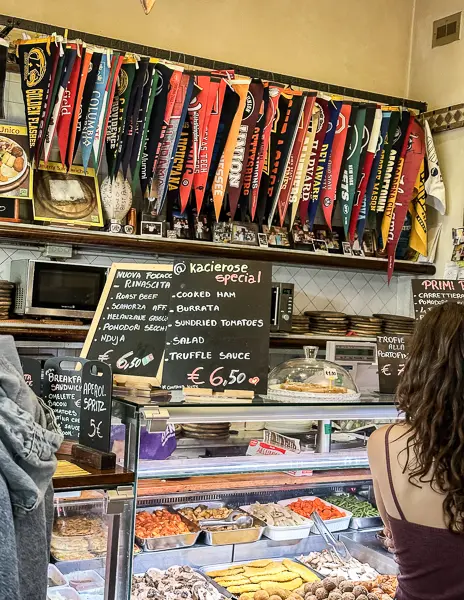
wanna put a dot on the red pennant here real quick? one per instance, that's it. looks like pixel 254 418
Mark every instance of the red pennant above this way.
pixel 217 90
pixel 335 163
pixel 197 116
pixel 412 163
pixel 67 107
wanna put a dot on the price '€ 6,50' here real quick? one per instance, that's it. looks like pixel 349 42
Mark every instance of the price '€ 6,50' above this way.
pixel 220 377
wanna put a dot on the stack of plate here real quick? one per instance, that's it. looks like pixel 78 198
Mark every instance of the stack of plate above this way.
pixel 365 326
pixel 300 324
pixel 396 325
pixel 6 293
pixel 327 323
pixel 207 431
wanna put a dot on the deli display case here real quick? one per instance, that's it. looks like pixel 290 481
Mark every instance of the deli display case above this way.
pixel 225 493
pixel 92 535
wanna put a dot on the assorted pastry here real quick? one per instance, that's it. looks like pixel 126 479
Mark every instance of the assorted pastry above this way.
pixel 262 575
pixel 78 538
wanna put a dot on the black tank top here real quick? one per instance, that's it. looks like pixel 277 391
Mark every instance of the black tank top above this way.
pixel 431 560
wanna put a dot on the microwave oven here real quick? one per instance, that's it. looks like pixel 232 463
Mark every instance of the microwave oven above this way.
pixel 56 289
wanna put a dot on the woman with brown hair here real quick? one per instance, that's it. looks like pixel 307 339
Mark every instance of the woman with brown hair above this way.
pixel 418 466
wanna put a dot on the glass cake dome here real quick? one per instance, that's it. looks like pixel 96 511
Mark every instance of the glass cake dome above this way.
pixel 311 379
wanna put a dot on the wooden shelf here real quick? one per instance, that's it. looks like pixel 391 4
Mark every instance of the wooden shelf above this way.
pixel 94 478
pixel 168 247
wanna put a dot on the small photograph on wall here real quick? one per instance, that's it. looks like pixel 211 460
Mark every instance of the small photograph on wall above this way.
pixel 277 236
pixel 71 197
pixel 222 232
pixel 245 233
pixel 16 175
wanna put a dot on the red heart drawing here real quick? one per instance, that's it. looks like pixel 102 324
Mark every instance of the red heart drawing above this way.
pixel 254 380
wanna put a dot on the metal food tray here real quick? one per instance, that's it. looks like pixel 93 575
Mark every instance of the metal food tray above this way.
pixel 362 522
pixel 219 588
pixel 169 542
pixel 232 536
pixel 366 522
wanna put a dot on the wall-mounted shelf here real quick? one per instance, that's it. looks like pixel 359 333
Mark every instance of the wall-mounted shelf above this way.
pixel 188 248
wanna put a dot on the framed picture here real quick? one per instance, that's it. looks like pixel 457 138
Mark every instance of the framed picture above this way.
pixel 356 248
pixel 244 233
pixel 303 237
pixel 369 242
pixel 277 236
pixel 321 246
pixel 181 226
pixel 152 228
pixel 202 228
pixel 262 240
pixel 333 239
pixel 222 232
pixel 16 175
pixel 347 249
pixel 71 197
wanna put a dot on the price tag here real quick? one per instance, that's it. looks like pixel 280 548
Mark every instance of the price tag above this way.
pixel 96 406
pixel 330 373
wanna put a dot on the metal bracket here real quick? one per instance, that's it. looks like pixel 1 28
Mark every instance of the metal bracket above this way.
pixel 155 418
pixel 57 251
pixel 118 498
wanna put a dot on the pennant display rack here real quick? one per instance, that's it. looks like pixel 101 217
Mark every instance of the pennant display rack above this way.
pixel 207 143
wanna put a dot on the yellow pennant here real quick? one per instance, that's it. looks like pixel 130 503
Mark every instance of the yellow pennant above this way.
pixel 418 210
pixel 390 206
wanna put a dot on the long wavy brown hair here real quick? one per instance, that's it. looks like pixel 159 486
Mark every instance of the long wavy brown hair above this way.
pixel 431 395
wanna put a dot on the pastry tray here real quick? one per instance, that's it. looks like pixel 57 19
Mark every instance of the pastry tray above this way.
pixel 168 542
pixel 231 536
pixel 276 393
pixel 210 580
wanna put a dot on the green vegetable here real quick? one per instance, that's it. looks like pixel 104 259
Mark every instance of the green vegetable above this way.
pixel 359 508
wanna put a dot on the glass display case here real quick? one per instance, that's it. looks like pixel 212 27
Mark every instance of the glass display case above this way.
pixel 92 536
pixel 220 484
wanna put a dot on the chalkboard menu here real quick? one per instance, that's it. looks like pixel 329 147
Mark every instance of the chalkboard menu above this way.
pixel 97 384
pixel 391 355
pixel 62 392
pixel 428 293
pixel 32 371
pixel 218 326
pixel 128 331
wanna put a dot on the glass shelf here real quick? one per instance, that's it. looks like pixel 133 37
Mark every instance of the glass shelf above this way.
pixel 174 468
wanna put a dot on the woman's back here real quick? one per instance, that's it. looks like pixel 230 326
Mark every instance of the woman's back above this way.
pixel 430 557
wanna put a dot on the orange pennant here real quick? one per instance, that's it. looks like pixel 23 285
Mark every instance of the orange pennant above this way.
pixel 147 5
pixel 222 174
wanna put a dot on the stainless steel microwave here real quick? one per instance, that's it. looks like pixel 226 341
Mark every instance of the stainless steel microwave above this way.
pixel 56 289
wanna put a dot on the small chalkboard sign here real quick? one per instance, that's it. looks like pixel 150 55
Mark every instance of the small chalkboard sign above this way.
pixel 62 392
pixel 428 293
pixel 32 371
pixel 128 331
pixel 218 328
pixel 95 426
pixel 392 354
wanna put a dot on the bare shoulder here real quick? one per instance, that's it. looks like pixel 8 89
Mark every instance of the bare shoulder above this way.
pixel 376 442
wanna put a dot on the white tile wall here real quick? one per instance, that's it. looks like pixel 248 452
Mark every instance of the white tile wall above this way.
pixel 315 289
